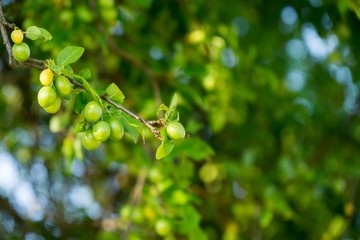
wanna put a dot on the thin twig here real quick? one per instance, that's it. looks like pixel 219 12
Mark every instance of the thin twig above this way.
pixel 136 196
pixel 155 131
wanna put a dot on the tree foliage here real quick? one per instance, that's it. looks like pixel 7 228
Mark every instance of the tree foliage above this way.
pixel 267 92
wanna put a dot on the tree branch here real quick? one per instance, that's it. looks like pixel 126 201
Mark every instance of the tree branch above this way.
pixel 4 34
pixel 40 65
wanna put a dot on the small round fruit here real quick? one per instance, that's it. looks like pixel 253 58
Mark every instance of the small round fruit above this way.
pixel 175 130
pixel 125 212
pixel 117 129
pixel 106 3
pixel 21 52
pixel 162 227
pixel 137 215
pixel 92 111
pixel 63 86
pixel 101 130
pixel 17 36
pixel 46 77
pixel 89 141
pixel 46 96
pixel 53 108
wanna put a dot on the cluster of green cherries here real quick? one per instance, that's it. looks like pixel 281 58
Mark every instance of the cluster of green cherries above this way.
pixel 100 130
pixel 49 97
pixel 54 88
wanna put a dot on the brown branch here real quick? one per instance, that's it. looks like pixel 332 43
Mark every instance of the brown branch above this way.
pixel 4 34
pixel 35 63
pixel 155 131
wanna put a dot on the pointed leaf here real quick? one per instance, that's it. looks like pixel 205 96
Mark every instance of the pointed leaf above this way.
pixel 85 73
pixel 45 34
pixel 131 130
pixel 164 149
pixel 69 55
pixel 133 127
pixel 80 102
pixel 173 103
pixel 114 93
pixel 33 33
pixel 92 91
pixel 80 127
pixel 162 107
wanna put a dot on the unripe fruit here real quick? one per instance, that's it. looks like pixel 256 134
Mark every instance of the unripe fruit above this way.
pixel 117 129
pixel 63 86
pixel 106 3
pixel 175 130
pixel 92 111
pixel 89 141
pixel 53 108
pixel 162 227
pixel 21 52
pixel 46 77
pixel 17 36
pixel 46 96
pixel 101 130
pixel 137 216
pixel 125 212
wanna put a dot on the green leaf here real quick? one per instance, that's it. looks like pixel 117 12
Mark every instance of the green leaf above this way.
pixel 131 130
pixel 80 102
pixel 164 149
pixel 114 93
pixel 133 127
pixel 69 55
pixel 173 103
pixel 85 73
pixel 92 91
pixel 80 127
pixel 35 33
pixel 162 107
pixel 45 34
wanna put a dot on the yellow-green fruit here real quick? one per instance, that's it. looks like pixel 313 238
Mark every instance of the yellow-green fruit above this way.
pixel 17 36
pixel 54 108
pixel 162 227
pixel 89 141
pixel 175 130
pixel 101 130
pixel 21 52
pixel 117 129
pixel 63 86
pixel 46 77
pixel 92 111
pixel 46 96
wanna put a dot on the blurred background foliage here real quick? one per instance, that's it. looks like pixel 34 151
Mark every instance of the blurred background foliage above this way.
pixel 269 93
